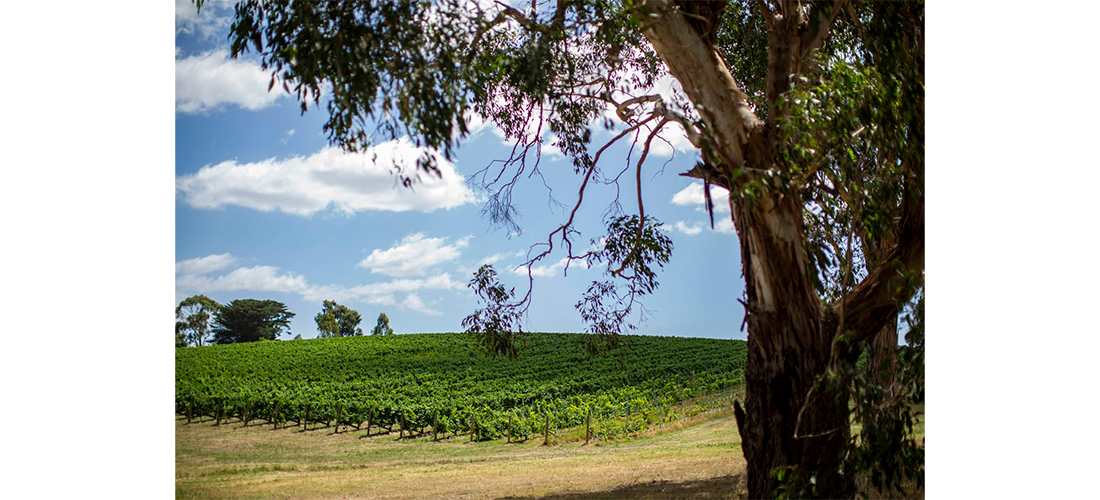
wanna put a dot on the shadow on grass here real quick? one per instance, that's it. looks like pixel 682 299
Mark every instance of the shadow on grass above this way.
pixel 732 486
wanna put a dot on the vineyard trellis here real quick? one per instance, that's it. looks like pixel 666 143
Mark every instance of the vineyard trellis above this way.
pixel 432 384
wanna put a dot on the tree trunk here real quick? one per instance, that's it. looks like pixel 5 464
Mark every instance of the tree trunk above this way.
pixel 880 361
pixel 787 422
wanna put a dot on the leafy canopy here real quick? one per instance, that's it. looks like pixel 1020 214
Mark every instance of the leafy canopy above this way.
pixel 337 320
pixel 251 320
pixel 193 317
pixel 383 326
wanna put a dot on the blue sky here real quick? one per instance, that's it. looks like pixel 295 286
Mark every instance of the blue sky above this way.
pixel 265 208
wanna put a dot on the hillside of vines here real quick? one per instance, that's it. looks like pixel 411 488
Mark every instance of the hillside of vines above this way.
pixel 440 384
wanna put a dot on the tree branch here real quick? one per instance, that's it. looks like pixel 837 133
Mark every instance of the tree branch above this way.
pixel 767 13
pixel 811 39
pixel 623 111
pixel 875 300
pixel 641 206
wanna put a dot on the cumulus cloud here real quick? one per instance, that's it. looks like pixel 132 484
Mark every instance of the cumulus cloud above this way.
pixel 412 302
pixel 192 277
pixel 722 225
pixel 497 257
pixel 551 270
pixel 691 230
pixel 203 265
pixel 693 196
pixel 210 80
pixel 350 182
pixel 725 226
pixel 209 22
pixel 381 293
pixel 256 278
pixel 413 256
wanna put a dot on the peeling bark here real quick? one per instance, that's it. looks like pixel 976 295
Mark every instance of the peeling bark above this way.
pixel 708 83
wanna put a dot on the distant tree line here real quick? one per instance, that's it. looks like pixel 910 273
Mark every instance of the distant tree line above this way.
pixel 201 320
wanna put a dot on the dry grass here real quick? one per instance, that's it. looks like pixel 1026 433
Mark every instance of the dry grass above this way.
pixel 700 459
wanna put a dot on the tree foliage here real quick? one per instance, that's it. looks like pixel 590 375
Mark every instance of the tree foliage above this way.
pixel 495 326
pixel 181 339
pixel 337 320
pixel 251 320
pixel 193 317
pixel 630 250
pixel 383 326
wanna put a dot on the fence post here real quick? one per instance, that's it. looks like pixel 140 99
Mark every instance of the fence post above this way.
pixel 546 431
pixel 435 425
pixel 588 426
pixel 275 416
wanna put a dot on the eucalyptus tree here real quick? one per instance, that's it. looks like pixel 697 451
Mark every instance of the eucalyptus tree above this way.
pixel 810 114
pixel 383 326
pixel 181 338
pixel 336 320
pixel 193 317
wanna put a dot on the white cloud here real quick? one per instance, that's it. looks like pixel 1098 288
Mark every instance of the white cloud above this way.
pixel 203 265
pixel 676 139
pixel 691 230
pixel 286 138
pixel 209 22
pixel 380 293
pixel 350 182
pixel 413 256
pixel 725 226
pixel 257 278
pixel 412 301
pixel 207 81
pixel 551 270
pixel 190 280
pixel 693 195
pixel 497 257
pixel 722 225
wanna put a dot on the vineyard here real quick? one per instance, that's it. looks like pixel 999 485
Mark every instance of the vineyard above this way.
pixel 440 385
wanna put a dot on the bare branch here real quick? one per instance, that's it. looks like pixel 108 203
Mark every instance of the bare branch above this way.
pixel 566 228
pixel 514 14
pixel 641 206
pixel 623 110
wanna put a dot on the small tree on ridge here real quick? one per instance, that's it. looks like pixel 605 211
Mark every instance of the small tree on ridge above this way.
pixel 383 326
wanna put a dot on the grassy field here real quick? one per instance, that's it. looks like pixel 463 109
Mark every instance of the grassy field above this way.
pixel 696 458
